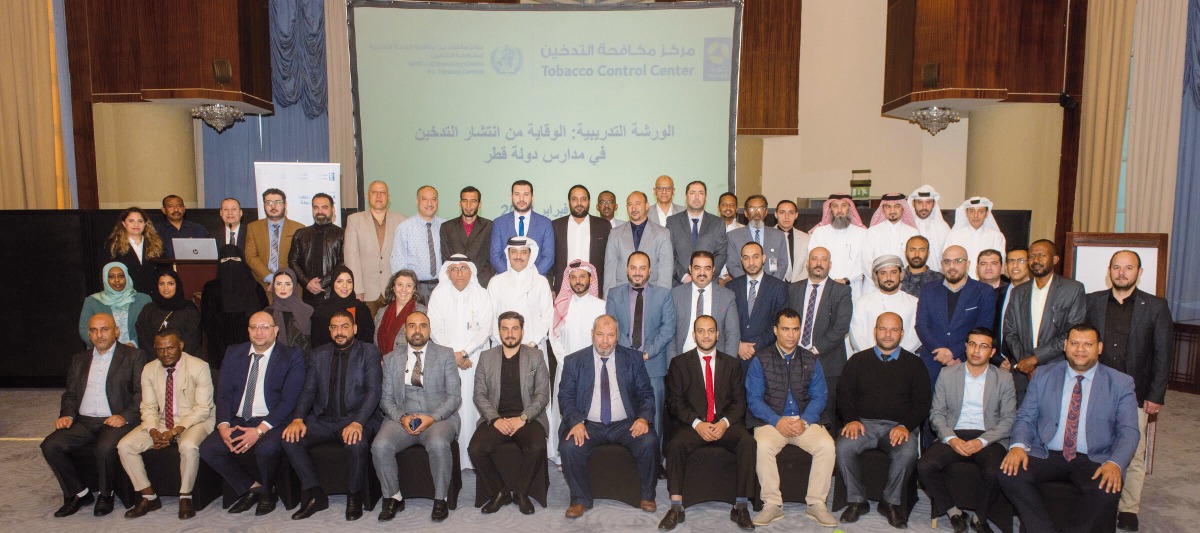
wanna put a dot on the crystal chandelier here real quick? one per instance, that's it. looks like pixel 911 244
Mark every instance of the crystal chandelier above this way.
pixel 934 119
pixel 219 116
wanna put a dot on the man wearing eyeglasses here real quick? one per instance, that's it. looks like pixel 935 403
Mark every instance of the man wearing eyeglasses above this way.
pixel 1016 268
pixel 948 311
pixel 664 196
pixel 269 240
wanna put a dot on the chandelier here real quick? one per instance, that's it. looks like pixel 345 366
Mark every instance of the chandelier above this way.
pixel 219 116
pixel 934 119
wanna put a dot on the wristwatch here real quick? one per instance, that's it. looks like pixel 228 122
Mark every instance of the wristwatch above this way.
pixel 524 417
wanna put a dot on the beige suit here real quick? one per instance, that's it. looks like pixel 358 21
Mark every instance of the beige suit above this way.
pixel 194 411
pixel 258 247
pixel 370 262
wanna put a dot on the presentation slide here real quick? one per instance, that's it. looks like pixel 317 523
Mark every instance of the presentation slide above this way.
pixel 452 95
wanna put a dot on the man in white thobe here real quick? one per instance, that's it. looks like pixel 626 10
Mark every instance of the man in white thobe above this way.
pixel 524 290
pixel 886 272
pixel 975 229
pixel 930 223
pixel 841 232
pixel 575 309
pixel 891 227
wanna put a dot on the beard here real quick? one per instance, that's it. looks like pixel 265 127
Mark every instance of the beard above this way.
pixel 841 222
pixel 916 262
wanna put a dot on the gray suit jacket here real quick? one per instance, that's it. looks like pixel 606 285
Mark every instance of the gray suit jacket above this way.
pixel 439 377
pixel 999 403
pixel 652 211
pixel 535 384
pixel 1065 307
pixel 724 310
pixel 656 242
pixel 710 239
pixel 832 322
pixel 774 246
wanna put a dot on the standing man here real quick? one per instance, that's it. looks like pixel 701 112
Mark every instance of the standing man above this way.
pixel 664 194
pixel 369 238
pixel 759 298
pixel 259 385
pixel 975 229
pixel 100 406
pixel 1039 315
pixel 825 312
pixel 930 222
pixel 891 226
pixel 606 207
pixel 231 221
pixel 1016 265
pixel 522 289
pixel 469 235
pixel 638 235
pixel 949 310
pixel 699 297
pixel 1137 332
pixel 989 268
pixel 797 240
pixel 269 240
pixel 316 249
pixel 339 403
pixel 842 233
pixel 522 222
pixel 727 206
pixel 696 230
pixel 885 273
pixel 773 242
pixel 918 273
pixel 176 227
pixel 578 236
pixel 417 246
pixel 177 408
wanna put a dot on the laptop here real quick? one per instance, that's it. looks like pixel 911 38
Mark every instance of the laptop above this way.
pixel 195 248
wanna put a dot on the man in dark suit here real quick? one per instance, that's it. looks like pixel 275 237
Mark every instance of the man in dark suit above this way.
pixel 101 404
pixel 579 236
pixel 825 313
pixel 231 224
pixel 522 222
pixel 257 390
pixel 773 241
pixel 706 398
pixel 1038 315
pixel 948 311
pixel 696 229
pixel 339 403
pixel 470 234
pixel 770 297
pixel 1137 332
pixel 1058 436
pixel 592 416
pixel 700 296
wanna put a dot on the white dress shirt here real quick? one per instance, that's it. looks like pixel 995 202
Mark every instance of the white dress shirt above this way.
pixel 517 216
pixel 231 234
pixel 971 415
pixel 702 355
pixel 614 392
pixel 137 249
pixel 579 239
pixel 1037 304
pixel 808 289
pixel 95 394
pixel 708 310
pixel 260 399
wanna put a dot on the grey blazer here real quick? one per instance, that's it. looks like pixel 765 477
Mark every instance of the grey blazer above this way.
pixel 724 310
pixel 535 384
pixel 656 242
pixel 652 211
pixel 999 403
pixel 439 377
pixel 774 245
pixel 711 238
pixel 1065 307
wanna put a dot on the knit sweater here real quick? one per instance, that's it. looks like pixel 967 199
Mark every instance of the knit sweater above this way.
pixel 894 390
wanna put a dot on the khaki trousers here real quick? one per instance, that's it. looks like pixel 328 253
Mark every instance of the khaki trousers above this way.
pixel 1135 474
pixel 137 441
pixel 816 441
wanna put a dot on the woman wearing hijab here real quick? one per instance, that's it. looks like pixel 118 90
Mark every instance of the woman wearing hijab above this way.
pixel 341 298
pixel 118 299
pixel 292 315
pixel 398 302
pixel 133 243
pixel 170 309
pixel 227 302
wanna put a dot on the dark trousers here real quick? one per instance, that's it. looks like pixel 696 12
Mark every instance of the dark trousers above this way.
pixel 934 461
pixel 266 455
pixel 736 439
pixel 85 430
pixel 575 458
pixel 358 455
pixel 531 438
pixel 1022 490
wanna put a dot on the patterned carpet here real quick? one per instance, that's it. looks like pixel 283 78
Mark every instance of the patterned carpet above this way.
pixel 30 494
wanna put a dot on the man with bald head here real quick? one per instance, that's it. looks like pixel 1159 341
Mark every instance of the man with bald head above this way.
pixel 101 404
pixel 664 196
pixel 368 245
pixel 825 311
pixel 638 235
pixel 948 311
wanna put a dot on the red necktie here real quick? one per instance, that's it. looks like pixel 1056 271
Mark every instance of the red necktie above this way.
pixel 1072 431
pixel 169 409
pixel 709 389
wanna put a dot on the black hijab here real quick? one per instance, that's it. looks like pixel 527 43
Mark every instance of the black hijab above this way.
pixel 335 300
pixel 176 301
pixel 238 286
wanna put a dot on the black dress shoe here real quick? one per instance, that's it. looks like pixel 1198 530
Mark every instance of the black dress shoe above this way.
pixel 186 509
pixel 894 515
pixel 266 504
pixel 959 523
pixel 316 501
pixel 980 525
pixel 440 511
pixel 672 519
pixel 245 502
pixel 1127 521
pixel 661 472
pixel 501 499
pixel 391 506
pixel 104 505
pixel 73 504
pixel 353 507
pixel 741 516
pixel 524 504
pixel 853 511
pixel 144 506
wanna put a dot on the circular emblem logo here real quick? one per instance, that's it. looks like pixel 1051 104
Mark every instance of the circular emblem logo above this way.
pixel 507 60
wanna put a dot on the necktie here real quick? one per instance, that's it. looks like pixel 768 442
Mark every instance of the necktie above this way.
pixel 432 253
pixel 416 375
pixel 521 227
pixel 229 239
pixel 273 260
pixel 791 244
pixel 335 389
pixel 251 384
pixel 695 230
pixel 1072 431
pixel 605 393
pixel 809 310
pixel 700 303
pixel 758 236
pixel 709 391
pixel 636 336
pixel 169 408
pixel 753 296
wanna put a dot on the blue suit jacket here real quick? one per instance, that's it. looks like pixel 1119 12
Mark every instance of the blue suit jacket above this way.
pixel 1112 418
pixel 658 324
pixel 283 383
pixel 537 228
pixel 363 387
pixel 579 381
pixel 759 327
pixel 937 329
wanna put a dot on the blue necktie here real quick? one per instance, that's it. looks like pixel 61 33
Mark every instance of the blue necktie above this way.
pixel 521 227
pixel 695 230
pixel 605 394
pixel 251 385
pixel 758 236
pixel 273 259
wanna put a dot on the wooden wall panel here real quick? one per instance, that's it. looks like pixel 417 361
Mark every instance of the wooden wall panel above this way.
pixel 899 71
pixel 110 34
pixel 1039 40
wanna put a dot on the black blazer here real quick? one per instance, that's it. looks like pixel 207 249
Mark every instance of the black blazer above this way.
pixel 362 389
pixel 599 231
pixel 124 385
pixel 759 327
pixel 834 312
pixel 1151 341
pixel 477 247
pixel 241 237
pixel 686 398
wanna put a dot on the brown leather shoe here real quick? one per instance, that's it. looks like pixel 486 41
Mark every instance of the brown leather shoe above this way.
pixel 576 510
pixel 186 509
pixel 648 506
pixel 143 507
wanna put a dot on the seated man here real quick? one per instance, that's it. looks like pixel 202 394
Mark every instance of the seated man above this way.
pixel 1078 423
pixel 603 404
pixel 786 391
pixel 100 405
pixel 177 407
pixel 512 390
pixel 420 401
pixel 259 384
pixel 338 404
pixel 973 409
pixel 706 402
pixel 883 395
